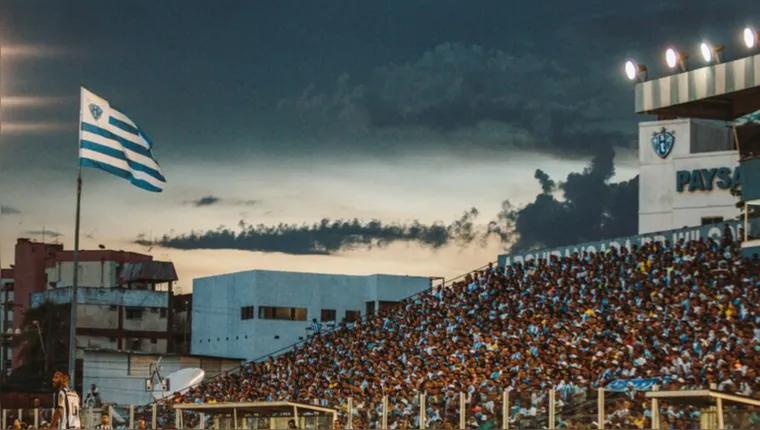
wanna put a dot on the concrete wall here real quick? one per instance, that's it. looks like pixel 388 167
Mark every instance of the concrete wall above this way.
pixel 661 205
pixel 121 376
pixel 91 274
pixel 217 326
pixel 105 296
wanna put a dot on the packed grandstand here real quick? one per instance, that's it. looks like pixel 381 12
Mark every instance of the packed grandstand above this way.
pixel 684 312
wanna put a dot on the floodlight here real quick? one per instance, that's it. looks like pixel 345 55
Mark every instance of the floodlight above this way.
pixel 710 53
pixel 675 59
pixel 750 37
pixel 635 71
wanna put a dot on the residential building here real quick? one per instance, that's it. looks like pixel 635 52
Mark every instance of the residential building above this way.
pixel 123 303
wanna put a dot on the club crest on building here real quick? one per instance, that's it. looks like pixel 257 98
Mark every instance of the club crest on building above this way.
pixel 96 111
pixel 662 142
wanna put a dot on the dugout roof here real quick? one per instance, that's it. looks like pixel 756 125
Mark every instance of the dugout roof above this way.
pixel 261 408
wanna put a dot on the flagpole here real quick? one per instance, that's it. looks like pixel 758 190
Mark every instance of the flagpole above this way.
pixel 75 281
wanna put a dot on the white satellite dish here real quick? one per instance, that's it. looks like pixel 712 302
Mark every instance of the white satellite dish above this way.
pixel 179 381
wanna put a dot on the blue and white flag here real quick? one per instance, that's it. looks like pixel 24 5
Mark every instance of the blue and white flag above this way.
pixel 752 118
pixel 112 142
pixel 638 384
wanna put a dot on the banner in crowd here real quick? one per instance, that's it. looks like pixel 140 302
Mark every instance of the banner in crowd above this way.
pixel 638 384
pixel 714 231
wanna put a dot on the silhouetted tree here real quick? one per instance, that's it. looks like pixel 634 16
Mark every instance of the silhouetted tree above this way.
pixel 44 346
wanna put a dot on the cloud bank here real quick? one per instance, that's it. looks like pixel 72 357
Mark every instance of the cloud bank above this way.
pixel 585 206
pixel 214 200
pixel 325 237
pixel 8 210
pixel 45 233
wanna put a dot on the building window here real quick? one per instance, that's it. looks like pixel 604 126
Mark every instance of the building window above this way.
pixel 280 313
pixel 384 306
pixel 134 313
pixel 352 316
pixel 153 340
pixel 710 220
pixel 328 315
pixel 246 313
pixel 162 312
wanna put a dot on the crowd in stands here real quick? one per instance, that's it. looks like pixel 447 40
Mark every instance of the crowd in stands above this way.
pixel 686 312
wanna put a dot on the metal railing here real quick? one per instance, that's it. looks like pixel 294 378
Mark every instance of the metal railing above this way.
pixel 593 408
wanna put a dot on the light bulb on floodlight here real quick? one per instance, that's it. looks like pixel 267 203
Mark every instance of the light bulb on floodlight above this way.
pixel 750 37
pixel 710 52
pixel 635 71
pixel 671 58
pixel 630 70
pixel 707 52
pixel 676 59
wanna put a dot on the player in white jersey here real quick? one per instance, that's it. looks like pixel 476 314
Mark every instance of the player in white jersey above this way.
pixel 67 404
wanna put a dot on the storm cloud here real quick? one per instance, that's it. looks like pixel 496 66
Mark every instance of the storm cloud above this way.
pixel 472 97
pixel 584 207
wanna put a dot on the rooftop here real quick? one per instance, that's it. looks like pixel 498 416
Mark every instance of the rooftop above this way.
pixel 721 92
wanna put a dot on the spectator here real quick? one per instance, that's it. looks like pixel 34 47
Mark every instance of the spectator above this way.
pixel 105 423
pixel 93 400
pixel 316 327
pixel 686 311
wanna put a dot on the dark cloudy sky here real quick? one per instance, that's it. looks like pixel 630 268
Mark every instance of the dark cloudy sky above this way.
pixel 271 116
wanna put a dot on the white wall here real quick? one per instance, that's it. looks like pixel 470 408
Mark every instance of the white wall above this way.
pixel 218 329
pixel 121 376
pixel 91 274
pixel 661 206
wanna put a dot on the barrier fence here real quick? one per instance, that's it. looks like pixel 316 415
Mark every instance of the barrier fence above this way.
pixel 482 408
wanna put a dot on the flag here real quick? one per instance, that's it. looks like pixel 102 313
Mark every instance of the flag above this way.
pixel 111 141
pixel 752 118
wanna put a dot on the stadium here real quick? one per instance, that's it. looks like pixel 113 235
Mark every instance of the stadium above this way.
pixel 658 330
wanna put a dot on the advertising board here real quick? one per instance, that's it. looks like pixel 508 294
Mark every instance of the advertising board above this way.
pixel 714 231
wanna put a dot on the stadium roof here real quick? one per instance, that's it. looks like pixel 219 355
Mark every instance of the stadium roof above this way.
pixel 721 92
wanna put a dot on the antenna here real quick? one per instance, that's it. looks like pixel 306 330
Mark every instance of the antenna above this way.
pixel 151 243
pixel 155 374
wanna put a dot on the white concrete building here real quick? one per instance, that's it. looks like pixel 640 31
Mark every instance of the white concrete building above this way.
pixel 120 376
pixel 254 313
pixel 686 181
